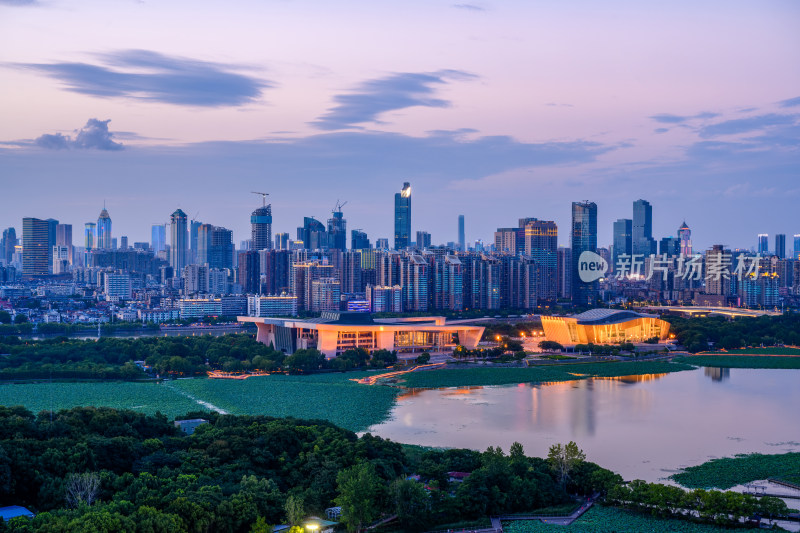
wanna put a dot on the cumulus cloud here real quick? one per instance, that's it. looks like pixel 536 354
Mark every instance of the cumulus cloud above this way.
pixel 398 91
pixel 150 76
pixel 94 135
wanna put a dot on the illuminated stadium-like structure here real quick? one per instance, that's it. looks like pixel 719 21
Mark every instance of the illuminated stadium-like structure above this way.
pixel 604 326
pixel 334 332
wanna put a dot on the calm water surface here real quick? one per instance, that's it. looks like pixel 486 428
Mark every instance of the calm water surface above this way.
pixel 643 427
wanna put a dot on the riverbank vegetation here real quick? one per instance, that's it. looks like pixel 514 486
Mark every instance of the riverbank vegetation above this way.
pixel 602 519
pixel 700 334
pixel 728 472
pixel 536 374
pixel 741 361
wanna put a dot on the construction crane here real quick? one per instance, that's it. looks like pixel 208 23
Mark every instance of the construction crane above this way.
pixel 263 197
pixel 339 206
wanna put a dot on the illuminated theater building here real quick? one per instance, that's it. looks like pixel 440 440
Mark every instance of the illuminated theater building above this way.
pixel 604 326
pixel 335 332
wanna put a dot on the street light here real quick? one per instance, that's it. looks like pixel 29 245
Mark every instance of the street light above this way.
pixel 312 526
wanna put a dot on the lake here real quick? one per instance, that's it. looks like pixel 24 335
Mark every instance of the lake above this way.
pixel 643 427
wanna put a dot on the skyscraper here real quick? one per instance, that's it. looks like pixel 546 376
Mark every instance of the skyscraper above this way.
pixel 685 235
pixel 642 241
pixel 281 241
pixel 312 234
pixel 178 241
pixel 359 240
pixel 780 245
pixel 423 240
pixel 261 228
pixel 402 217
pixel 541 244
pixel 584 238
pixel 763 243
pixel 37 247
pixel 462 239
pixel 622 239
pixel 158 237
pixel 90 236
pixel 194 244
pixel 64 238
pixel 9 242
pixel 104 230
pixel 796 247
pixel 337 229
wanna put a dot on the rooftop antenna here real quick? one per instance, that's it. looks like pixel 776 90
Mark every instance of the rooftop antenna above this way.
pixel 263 197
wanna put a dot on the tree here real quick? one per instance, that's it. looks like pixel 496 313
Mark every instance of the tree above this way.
pixel 20 319
pixel 550 346
pixel 82 488
pixel 563 459
pixel 411 503
pixel 294 510
pixel 360 490
pixel 423 358
pixel 5 317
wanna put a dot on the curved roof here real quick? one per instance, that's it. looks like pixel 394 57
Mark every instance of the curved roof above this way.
pixel 684 226
pixel 608 316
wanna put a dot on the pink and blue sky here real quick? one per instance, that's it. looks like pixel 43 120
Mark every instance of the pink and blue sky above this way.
pixel 495 110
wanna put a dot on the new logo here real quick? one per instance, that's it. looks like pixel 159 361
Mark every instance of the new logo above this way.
pixel 591 267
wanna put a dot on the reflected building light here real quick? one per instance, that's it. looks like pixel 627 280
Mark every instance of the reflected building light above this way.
pixel 716 373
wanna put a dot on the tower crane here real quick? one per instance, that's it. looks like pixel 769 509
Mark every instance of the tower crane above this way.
pixel 263 197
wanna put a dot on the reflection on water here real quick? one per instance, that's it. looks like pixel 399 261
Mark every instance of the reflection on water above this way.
pixel 717 374
pixel 640 426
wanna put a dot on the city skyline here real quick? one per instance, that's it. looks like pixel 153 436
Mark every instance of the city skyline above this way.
pixel 487 111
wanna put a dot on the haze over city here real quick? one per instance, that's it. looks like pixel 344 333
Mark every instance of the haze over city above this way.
pixel 493 110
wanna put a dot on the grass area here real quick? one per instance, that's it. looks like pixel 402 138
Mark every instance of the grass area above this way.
pixel 781 350
pixel 741 361
pixel 601 519
pixel 728 472
pixel 143 397
pixel 535 374
pixel 330 397
pixel 557 357
pixel 481 523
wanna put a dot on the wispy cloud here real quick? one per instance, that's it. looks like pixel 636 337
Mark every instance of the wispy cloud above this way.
pixel 791 102
pixel 398 91
pixel 668 118
pixel 19 3
pixel 94 135
pixel 150 76
pixel 745 125
pixel 469 7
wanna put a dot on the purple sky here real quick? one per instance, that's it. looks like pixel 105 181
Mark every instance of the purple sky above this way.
pixel 497 110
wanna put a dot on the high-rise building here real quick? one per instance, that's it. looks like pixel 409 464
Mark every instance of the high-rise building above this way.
pixel 564 272
pixel 462 239
pixel 402 217
pixel 584 238
pixel 505 240
pixel 37 247
pixel 90 236
pixel 249 271
pixel 117 286
pixel 60 259
pixel 337 229
pixel 669 246
pixel 281 241
pixel 642 241
pixel 302 277
pixel 718 265
pixel 382 244
pixel 796 247
pixel 64 239
pixel 178 249
pixel 221 252
pixel 359 240
pixel 423 240
pixel 623 228
pixel 158 238
pixel 261 228
pixel 414 278
pixel 104 231
pixel 312 234
pixel 123 242
pixel 9 242
pixel 325 295
pixel 540 238
pixel 685 235
pixel 763 243
pixel 780 245
pixel 194 241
